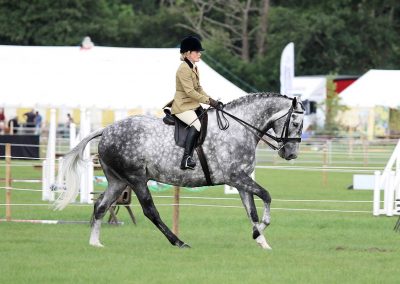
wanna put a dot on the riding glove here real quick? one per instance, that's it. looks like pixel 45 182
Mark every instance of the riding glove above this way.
pixel 216 104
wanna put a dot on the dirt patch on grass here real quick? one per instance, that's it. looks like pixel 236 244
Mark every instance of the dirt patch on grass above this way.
pixel 371 249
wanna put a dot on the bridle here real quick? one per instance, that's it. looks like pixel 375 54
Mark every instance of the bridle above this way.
pixel 284 138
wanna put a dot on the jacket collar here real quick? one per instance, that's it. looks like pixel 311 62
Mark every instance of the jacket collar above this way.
pixel 191 66
pixel 189 63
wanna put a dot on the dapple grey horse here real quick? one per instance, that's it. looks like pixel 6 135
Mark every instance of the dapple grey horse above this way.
pixel 142 148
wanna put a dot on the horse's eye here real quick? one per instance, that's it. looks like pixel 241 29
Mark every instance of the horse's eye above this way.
pixel 296 124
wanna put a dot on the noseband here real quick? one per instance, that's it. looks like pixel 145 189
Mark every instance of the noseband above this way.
pixel 284 137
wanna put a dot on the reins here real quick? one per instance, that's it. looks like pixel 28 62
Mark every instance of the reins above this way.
pixel 223 124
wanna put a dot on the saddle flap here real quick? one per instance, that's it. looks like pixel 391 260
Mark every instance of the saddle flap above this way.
pixel 181 129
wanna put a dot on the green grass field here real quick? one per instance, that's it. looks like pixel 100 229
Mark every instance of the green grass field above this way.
pixel 308 246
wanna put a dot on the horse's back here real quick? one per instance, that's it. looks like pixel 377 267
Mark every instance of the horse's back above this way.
pixel 135 138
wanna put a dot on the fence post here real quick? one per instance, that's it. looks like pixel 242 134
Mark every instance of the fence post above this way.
pixel 8 182
pixel 390 194
pixel 175 217
pixel 90 179
pixel 329 144
pixel 377 194
pixel 365 151
pixel 45 181
pixel 325 164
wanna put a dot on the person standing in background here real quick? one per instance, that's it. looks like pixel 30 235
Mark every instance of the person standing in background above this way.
pixel 2 121
pixel 69 120
pixel 30 121
pixel 14 124
pixel 38 123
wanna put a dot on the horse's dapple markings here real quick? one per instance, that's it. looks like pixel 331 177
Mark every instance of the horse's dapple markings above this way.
pixel 140 148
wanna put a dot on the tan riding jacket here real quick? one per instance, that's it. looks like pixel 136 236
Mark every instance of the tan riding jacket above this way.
pixel 189 94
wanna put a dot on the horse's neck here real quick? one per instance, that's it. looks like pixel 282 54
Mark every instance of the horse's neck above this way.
pixel 258 110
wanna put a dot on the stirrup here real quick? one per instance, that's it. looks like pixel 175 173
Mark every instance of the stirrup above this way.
pixel 185 163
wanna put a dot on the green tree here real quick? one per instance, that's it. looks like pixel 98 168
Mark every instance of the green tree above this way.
pixel 44 22
pixel 244 38
pixel 332 108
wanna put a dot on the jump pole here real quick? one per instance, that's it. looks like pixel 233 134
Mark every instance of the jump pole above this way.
pixel 175 216
pixel 8 182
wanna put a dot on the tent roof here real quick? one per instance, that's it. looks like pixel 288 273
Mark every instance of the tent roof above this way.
pixel 376 87
pixel 312 88
pixel 102 77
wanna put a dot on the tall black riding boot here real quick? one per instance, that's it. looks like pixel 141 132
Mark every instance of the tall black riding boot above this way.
pixel 191 139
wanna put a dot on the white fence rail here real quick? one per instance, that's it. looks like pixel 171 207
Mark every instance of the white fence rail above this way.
pixel 389 182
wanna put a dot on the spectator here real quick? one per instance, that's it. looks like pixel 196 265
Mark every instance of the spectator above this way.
pixel 14 123
pixel 2 120
pixel 69 119
pixel 38 123
pixel 30 118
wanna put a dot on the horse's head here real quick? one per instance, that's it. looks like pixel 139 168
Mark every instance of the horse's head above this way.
pixel 288 129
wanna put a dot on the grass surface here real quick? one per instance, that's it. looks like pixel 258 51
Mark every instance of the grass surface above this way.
pixel 308 246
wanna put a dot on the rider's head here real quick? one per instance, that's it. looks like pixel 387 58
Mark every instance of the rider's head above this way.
pixel 191 48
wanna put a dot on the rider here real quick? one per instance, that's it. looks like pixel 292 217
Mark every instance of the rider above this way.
pixel 188 96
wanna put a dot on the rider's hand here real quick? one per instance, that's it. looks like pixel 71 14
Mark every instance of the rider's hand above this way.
pixel 216 104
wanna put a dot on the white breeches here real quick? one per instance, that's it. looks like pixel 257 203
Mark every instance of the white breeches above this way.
pixel 190 118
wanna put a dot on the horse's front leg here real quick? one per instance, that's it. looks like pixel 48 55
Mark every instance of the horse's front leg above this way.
pixel 247 188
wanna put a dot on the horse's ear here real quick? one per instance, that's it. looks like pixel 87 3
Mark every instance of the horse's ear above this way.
pixel 294 102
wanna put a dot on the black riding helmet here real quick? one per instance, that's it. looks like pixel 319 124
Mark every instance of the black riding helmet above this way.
pixel 191 43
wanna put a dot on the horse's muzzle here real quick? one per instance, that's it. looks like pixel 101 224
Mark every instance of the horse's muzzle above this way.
pixel 288 152
pixel 291 157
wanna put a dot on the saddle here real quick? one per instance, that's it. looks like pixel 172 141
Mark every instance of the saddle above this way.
pixel 181 130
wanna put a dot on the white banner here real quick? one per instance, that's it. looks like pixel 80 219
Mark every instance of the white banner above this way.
pixel 287 69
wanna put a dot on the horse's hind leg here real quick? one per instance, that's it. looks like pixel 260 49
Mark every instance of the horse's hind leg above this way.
pixel 150 211
pixel 247 188
pixel 103 203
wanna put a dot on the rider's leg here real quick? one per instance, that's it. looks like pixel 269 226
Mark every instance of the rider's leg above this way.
pixel 187 160
pixel 190 118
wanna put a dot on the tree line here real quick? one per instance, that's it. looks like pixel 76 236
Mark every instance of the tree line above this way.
pixel 243 38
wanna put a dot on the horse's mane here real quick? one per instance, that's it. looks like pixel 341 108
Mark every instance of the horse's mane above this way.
pixel 252 96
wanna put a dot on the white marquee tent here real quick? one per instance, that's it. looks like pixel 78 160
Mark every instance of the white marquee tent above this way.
pixel 312 88
pixel 374 88
pixel 102 77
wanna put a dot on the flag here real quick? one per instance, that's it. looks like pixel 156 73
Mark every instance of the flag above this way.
pixel 287 69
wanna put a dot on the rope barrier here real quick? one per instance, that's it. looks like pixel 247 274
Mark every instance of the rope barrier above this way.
pixel 315 169
pixel 281 200
pixel 220 198
pixel 22 162
pixel 210 205
pixel 16 166
pixel 20 189
pixel 23 158
pixel 21 145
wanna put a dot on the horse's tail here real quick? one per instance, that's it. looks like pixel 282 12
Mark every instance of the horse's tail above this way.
pixel 69 171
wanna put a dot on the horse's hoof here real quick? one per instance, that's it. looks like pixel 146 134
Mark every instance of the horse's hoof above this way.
pixel 262 242
pixel 183 246
pixel 97 245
